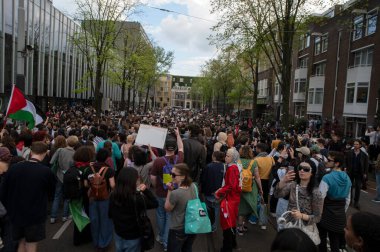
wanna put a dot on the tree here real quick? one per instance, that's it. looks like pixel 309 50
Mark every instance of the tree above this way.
pixel 271 25
pixel 100 21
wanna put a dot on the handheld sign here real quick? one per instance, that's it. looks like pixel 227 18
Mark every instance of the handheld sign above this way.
pixel 151 135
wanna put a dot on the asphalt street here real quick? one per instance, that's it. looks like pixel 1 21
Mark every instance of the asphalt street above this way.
pixel 60 235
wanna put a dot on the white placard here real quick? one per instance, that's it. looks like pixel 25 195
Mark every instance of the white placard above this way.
pixel 151 135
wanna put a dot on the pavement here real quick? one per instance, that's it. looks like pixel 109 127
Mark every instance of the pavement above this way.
pixel 60 235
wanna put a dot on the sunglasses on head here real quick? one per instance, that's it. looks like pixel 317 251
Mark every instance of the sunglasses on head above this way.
pixel 304 168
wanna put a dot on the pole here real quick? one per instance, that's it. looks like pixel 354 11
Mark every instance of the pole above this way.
pixel 21 48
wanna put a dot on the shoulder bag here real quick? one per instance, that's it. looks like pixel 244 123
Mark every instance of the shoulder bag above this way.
pixel 196 216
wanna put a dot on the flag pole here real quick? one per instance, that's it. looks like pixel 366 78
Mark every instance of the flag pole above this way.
pixel 9 103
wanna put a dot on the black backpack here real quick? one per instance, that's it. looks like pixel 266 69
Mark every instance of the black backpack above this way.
pixel 72 184
pixel 224 148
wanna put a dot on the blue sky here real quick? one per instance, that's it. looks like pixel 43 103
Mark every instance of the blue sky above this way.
pixel 184 35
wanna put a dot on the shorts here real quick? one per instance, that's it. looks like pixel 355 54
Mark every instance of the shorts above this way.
pixel 33 233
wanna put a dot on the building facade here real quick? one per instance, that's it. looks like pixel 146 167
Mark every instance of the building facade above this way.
pixel 181 93
pixel 334 65
pixel 163 91
pixel 47 67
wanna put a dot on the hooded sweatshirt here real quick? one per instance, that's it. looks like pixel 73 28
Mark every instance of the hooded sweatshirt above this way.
pixel 336 186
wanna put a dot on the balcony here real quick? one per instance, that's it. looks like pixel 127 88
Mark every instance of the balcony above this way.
pixel 300 73
pixel 317 81
pixel 299 97
pixel 359 73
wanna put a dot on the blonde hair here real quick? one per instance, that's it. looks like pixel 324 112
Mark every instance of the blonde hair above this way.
pixel 130 139
pixel 72 141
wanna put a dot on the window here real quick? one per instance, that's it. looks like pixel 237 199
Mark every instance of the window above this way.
pixel 317 45
pixel 362 92
pixel 302 62
pixel 310 96
pixel 318 99
pixel 304 41
pixel 319 69
pixel 358 28
pixel 299 86
pixel 277 89
pixel 350 92
pixel 324 42
pixel 263 88
pixel 363 57
pixel 371 22
pixel 180 79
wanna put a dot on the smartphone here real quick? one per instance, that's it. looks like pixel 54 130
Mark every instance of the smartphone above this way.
pixel 290 168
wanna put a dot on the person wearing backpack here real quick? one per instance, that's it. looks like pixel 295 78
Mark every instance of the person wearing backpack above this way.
pixel 221 144
pixel 160 175
pixel 99 178
pixel 73 188
pixel 250 188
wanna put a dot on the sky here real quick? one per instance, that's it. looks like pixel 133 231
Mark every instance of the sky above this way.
pixel 184 35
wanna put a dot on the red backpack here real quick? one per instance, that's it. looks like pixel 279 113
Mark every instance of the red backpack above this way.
pixel 98 184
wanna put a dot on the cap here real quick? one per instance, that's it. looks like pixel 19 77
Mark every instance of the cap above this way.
pixel 315 148
pixel 304 150
pixel 170 144
pixel 5 155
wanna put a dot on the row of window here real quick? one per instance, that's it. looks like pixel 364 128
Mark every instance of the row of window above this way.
pixel 364 25
pixel 357 92
pixel 360 58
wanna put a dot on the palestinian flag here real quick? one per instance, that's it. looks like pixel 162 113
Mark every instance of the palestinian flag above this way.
pixel 21 109
pixel 80 217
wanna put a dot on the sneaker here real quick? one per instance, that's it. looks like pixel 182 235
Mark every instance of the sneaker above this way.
pixel 263 227
pixel 272 214
pixel 240 231
pixel 376 200
pixel 252 222
pixel 64 219
pixel 52 220
pixel 158 239
pixel 245 229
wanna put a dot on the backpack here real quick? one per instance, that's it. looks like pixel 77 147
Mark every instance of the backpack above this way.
pixel 246 176
pixel 321 169
pixel 98 184
pixel 167 171
pixel 72 184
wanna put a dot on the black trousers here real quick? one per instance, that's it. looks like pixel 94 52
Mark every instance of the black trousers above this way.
pixel 356 181
pixel 229 240
pixel 265 185
pixel 333 237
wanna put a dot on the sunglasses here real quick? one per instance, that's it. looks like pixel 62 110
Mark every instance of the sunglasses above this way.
pixel 331 160
pixel 174 175
pixel 304 168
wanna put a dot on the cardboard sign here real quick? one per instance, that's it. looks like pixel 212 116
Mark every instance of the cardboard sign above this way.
pixel 151 135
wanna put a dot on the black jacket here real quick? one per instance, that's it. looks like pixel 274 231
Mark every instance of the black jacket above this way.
pixel 125 216
pixel 195 157
pixel 363 163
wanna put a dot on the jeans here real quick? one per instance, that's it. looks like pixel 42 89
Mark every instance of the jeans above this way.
pixel 377 185
pixel 333 237
pixel 179 241
pixel 163 221
pixel 214 213
pixel 57 199
pixel 123 245
pixel 101 224
pixel 356 181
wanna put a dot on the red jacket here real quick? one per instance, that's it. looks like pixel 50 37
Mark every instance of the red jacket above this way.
pixel 231 193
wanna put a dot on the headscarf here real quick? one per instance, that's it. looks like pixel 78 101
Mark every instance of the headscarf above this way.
pixel 235 155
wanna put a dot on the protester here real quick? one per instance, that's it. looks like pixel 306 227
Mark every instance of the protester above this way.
pixel 27 184
pixel 307 207
pixel 357 168
pixel 362 232
pixel 335 188
pixel 127 201
pixel 180 191
pixel 229 194
pixel 157 178
pixel 248 198
pixel 64 159
pixel 101 224
pixel 293 239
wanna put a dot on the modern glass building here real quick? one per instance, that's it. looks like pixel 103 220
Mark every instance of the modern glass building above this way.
pixel 42 61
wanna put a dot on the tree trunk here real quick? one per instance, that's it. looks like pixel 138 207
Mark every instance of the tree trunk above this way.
pixel 255 81
pixel 146 98
pixel 129 98
pixel 98 83
pixel 122 102
pixel 134 95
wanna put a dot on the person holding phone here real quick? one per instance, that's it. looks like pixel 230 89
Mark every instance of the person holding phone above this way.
pixel 309 197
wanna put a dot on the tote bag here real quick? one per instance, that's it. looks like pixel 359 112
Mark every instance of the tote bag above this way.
pixel 197 220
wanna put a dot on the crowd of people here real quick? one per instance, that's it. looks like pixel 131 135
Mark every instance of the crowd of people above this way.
pixel 307 179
